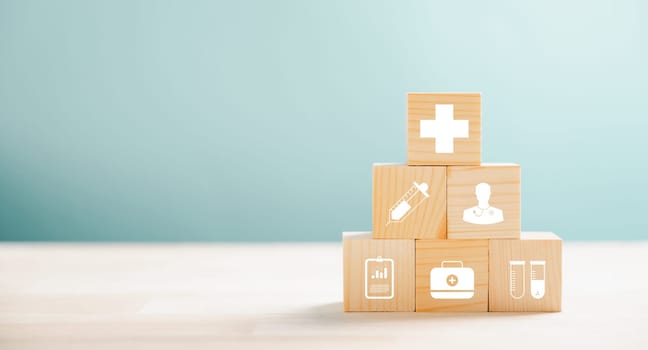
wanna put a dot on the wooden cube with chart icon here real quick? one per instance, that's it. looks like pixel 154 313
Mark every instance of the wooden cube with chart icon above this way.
pixel 484 201
pixel 443 128
pixel 452 275
pixel 409 202
pixel 526 273
pixel 378 274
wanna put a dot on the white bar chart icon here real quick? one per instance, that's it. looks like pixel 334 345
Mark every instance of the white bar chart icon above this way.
pixel 380 275
pixel 379 278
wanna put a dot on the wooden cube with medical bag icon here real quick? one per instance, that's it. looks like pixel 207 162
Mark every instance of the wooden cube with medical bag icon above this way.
pixel 526 274
pixel 443 128
pixel 452 275
pixel 409 202
pixel 483 201
pixel 378 274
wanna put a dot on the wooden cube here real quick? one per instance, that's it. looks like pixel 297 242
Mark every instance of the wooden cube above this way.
pixel 378 274
pixel 452 275
pixel 443 128
pixel 409 202
pixel 526 273
pixel 484 201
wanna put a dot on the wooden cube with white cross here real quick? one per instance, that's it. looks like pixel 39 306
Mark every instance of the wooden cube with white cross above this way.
pixel 443 128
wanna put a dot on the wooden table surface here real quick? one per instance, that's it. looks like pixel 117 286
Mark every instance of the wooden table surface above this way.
pixel 278 296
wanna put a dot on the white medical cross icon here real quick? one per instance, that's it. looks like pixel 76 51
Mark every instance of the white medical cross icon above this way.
pixel 444 129
pixel 452 280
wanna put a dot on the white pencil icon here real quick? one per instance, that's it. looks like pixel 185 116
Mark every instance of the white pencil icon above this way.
pixel 408 202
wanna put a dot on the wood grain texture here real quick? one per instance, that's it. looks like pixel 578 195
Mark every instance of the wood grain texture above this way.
pixel 532 246
pixel 422 151
pixel 358 246
pixel 504 181
pixel 390 183
pixel 431 253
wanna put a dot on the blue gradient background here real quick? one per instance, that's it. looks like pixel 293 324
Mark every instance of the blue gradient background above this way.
pixel 259 120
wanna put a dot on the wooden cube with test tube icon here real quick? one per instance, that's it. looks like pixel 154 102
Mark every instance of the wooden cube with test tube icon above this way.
pixel 409 202
pixel 378 274
pixel 526 274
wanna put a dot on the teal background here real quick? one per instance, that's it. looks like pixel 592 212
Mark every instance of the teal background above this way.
pixel 259 120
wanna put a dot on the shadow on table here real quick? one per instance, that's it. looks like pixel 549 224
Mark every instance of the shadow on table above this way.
pixel 335 312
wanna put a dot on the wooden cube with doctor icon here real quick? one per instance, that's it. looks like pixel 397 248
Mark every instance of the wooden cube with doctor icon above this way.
pixel 483 201
pixel 409 202
pixel 378 273
pixel 526 274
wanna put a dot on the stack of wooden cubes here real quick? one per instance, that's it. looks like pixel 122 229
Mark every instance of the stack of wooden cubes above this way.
pixel 446 227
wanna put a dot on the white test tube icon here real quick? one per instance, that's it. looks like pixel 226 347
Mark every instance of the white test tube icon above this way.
pixel 414 196
pixel 516 278
pixel 538 278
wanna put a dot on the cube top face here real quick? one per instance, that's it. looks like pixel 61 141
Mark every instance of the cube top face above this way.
pixel 409 202
pixel 452 275
pixel 443 128
pixel 484 201
pixel 356 235
pixel 530 235
pixel 526 274
pixel 378 274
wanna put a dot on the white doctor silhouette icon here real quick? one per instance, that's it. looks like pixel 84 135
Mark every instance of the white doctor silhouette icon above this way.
pixel 483 213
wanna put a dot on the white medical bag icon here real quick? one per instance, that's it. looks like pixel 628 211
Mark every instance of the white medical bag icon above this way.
pixel 452 282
